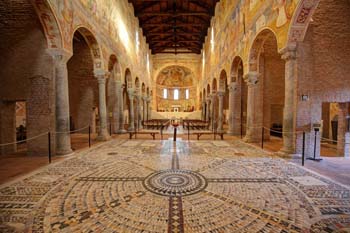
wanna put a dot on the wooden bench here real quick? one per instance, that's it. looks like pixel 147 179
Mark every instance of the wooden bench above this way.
pixel 200 133
pixel 153 133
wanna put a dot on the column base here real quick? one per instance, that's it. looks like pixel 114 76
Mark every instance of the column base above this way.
pixel 103 137
pixel 121 131
pixel 287 151
pixel 251 140
pixel 64 152
pixel 131 129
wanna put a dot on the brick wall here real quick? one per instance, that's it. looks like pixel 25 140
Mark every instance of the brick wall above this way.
pixel 23 56
pixel 323 65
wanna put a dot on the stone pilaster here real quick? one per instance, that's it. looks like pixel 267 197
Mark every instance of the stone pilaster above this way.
pixel 8 126
pixel 131 111
pixel 103 132
pixel 342 127
pixel 63 143
pixel 254 109
pixel 289 118
pixel 221 111
pixel 93 120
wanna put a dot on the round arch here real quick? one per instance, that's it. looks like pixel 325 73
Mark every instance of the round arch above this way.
pixel 215 86
pixel 223 81
pixel 50 24
pixel 128 79
pixel 301 20
pixel 114 67
pixel 256 47
pixel 237 64
pixel 93 45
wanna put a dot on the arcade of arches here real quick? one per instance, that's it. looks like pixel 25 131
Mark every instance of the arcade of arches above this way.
pixel 87 85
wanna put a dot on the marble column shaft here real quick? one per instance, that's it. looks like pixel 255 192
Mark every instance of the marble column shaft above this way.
pixel 144 98
pixel 221 111
pixel 254 109
pixel 63 142
pixel 120 103
pixel 207 117
pixel 232 110
pixel 342 127
pixel 131 110
pixel 289 55
pixel 102 108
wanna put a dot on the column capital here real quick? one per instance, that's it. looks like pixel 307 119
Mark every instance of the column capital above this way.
pixel 101 80
pixel 59 55
pixel 131 91
pixel 232 86
pixel 289 52
pixel 220 93
pixel 252 78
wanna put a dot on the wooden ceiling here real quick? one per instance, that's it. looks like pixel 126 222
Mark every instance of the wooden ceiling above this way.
pixel 175 26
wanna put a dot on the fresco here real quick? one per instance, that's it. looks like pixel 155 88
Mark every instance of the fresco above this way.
pixel 236 24
pixel 175 76
pixel 104 19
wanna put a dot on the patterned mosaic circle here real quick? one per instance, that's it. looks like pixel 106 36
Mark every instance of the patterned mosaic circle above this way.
pixel 175 183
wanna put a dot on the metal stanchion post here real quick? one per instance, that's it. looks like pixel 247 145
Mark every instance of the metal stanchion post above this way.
pixel 262 137
pixel 175 129
pixel 89 136
pixel 315 144
pixel 49 141
pixel 188 131
pixel 110 129
pixel 303 151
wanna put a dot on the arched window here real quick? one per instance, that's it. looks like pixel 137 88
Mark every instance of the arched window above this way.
pixel 176 94
pixel 165 93
pixel 187 93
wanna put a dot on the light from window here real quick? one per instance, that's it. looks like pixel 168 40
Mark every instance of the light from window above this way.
pixel 165 93
pixel 176 94
pixel 187 94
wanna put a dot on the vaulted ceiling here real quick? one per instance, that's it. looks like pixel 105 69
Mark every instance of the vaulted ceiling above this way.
pixel 175 26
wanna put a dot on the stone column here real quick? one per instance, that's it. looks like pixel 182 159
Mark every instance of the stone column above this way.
pixel 120 103
pixel 144 98
pixel 149 107
pixel 203 110
pixel 213 110
pixel 234 123
pixel 138 111
pixel 207 117
pixel 289 119
pixel 102 108
pixel 221 111
pixel 131 111
pixel 63 143
pixel 115 107
pixel 254 109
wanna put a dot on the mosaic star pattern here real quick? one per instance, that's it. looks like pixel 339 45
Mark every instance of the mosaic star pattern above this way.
pixel 159 186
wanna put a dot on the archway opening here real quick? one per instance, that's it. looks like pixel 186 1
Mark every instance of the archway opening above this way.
pixel 83 86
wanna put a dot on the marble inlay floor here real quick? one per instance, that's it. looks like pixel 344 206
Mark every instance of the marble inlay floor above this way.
pixel 159 186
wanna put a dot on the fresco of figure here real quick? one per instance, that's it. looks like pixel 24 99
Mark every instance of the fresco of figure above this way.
pixel 280 6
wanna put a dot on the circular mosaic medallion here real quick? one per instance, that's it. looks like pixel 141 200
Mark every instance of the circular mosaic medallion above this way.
pixel 175 183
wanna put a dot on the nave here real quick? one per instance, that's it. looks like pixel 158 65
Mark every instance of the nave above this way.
pixel 167 186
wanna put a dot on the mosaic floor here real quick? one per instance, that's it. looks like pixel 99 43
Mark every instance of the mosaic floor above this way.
pixel 159 186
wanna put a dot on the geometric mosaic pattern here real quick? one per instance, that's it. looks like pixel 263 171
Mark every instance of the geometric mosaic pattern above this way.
pixel 158 186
